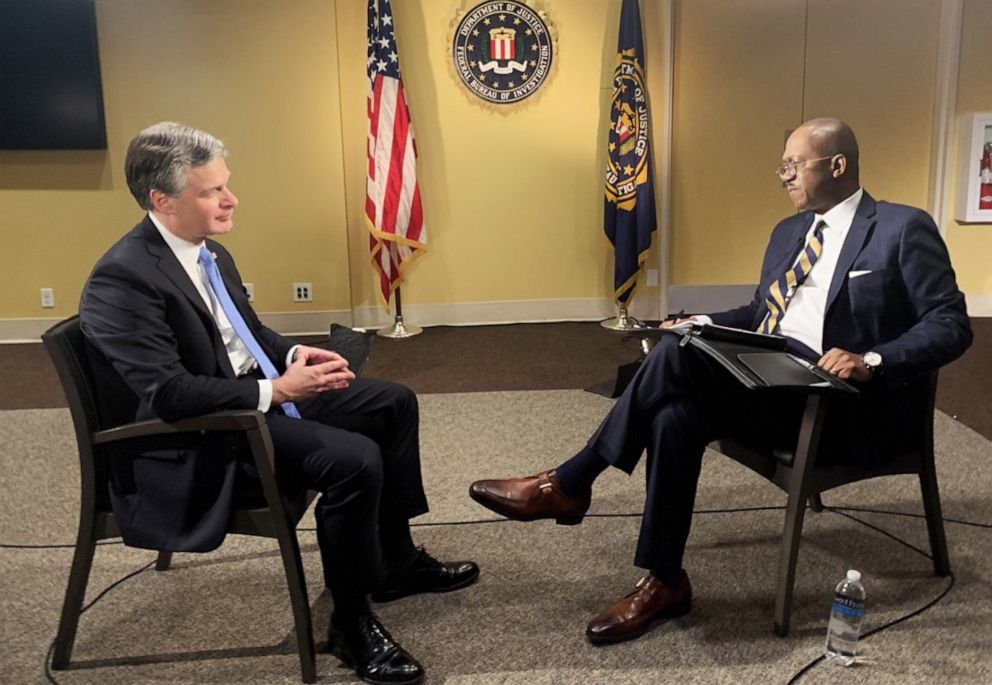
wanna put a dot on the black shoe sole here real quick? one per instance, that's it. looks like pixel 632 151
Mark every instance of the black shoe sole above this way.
pixel 393 595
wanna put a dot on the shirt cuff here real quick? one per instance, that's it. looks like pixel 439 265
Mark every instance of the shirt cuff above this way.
pixel 291 354
pixel 702 319
pixel 264 395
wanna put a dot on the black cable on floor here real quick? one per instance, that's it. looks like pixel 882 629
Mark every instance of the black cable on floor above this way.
pixel 468 522
pixel 51 647
pixel 904 513
pixel 59 545
pixel 841 511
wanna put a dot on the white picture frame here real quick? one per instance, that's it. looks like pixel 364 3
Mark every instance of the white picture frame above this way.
pixel 974 180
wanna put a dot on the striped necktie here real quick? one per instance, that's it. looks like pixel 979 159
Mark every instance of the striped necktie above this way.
pixel 781 291
pixel 239 325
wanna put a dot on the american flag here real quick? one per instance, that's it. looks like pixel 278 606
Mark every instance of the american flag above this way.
pixel 392 196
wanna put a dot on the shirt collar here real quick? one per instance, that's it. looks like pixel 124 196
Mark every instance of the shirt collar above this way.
pixel 841 215
pixel 186 252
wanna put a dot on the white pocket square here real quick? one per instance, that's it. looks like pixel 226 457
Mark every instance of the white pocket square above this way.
pixel 855 274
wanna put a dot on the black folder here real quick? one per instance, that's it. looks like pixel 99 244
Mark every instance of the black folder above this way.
pixel 758 361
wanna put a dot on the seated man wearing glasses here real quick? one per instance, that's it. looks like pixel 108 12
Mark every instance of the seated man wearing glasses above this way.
pixel 862 288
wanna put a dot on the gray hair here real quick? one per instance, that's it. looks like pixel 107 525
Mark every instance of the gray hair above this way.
pixel 158 157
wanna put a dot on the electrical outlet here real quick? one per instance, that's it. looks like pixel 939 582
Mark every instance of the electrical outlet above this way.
pixel 652 278
pixel 303 292
pixel 249 291
pixel 47 298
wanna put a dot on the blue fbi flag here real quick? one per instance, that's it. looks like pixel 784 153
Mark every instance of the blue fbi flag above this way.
pixel 629 217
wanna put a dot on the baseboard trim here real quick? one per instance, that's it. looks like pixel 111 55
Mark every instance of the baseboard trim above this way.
pixel 504 312
pixel 702 298
pixel 306 323
pixel 716 298
pixel 979 305
pixel 27 330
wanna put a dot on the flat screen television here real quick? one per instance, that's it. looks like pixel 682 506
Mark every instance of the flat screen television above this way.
pixel 51 97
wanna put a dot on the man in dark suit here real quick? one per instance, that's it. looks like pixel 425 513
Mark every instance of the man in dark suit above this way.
pixel 164 311
pixel 871 298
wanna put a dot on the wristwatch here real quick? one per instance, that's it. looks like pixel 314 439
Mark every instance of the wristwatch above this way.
pixel 872 361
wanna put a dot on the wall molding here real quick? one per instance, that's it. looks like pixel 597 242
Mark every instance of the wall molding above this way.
pixel 945 103
pixel 29 330
pixel 979 306
pixel 689 298
pixel 503 312
pixel 715 298
pixel 700 299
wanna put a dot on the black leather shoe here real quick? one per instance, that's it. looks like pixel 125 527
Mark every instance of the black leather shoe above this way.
pixel 426 574
pixel 366 646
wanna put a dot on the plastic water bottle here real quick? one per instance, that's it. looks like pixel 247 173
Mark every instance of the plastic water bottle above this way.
pixel 846 615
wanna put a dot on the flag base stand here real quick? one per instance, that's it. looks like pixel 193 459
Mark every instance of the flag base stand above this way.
pixel 621 322
pixel 399 329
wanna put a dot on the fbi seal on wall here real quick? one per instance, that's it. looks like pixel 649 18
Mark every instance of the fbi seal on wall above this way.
pixel 502 51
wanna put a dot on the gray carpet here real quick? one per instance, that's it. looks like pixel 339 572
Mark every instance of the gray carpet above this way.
pixel 224 617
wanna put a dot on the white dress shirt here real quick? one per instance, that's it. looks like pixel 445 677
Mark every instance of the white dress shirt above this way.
pixel 803 318
pixel 241 359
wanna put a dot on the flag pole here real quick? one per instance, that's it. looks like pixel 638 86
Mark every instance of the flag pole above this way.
pixel 399 329
pixel 622 321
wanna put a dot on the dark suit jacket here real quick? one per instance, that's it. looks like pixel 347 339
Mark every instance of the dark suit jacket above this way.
pixel 906 306
pixel 146 325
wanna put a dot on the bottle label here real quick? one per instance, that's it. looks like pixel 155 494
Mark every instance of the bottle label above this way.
pixel 848 606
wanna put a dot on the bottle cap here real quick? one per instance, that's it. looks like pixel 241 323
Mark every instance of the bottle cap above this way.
pixel 854 576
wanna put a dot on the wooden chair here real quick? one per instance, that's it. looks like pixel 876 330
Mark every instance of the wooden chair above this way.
pixel 277 518
pixel 799 475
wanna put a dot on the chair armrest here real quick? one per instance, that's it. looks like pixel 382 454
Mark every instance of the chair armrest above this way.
pixel 232 420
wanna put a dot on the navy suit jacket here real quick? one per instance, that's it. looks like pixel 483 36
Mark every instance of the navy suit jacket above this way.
pixel 902 300
pixel 893 292
pixel 156 353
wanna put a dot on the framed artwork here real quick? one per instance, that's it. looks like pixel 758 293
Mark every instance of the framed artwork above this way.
pixel 974 201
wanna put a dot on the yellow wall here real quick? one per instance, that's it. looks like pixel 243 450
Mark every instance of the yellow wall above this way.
pixel 747 72
pixel 513 201
pixel 738 86
pixel 512 198
pixel 260 75
pixel 971 244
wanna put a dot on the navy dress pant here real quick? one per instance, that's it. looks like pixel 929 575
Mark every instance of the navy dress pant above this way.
pixel 677 402
pixel 359 447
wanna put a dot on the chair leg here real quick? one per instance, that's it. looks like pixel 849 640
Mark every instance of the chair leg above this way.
pixel 788 555
pixel 935 521
pixel 163 561
pixel 816 503
pixel 799 491
pixel 289 549
pixel 75 593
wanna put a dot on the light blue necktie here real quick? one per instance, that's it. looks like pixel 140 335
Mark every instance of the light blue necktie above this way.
pixel 239 325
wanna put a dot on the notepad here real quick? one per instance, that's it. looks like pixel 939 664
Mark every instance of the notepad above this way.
pixel 782 368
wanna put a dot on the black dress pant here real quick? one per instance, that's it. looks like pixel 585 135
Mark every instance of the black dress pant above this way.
pixel 359 447
pixel 678 402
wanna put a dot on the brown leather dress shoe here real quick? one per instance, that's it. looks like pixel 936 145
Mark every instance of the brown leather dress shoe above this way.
pixel 531 498
pixel 633 615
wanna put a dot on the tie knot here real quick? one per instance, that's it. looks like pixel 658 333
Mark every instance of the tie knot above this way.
pixel 205 256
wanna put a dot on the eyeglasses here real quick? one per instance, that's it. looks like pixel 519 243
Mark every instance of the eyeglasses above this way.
pixel 791 168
